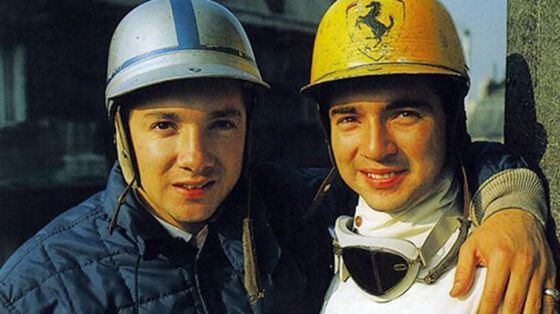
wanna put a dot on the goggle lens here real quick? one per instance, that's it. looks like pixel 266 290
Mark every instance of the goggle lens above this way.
pixel 376 272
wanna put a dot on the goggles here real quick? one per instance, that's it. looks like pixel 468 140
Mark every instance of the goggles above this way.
pixel 385 268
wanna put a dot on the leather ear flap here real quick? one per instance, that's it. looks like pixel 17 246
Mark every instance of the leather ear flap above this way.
pixel 124 153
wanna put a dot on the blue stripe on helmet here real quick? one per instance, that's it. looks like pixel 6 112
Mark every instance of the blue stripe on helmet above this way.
pixel 185 29
pixel 185 23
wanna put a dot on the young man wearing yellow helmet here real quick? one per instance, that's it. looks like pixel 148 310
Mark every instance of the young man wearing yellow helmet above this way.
pixel 174 231
pixel 390 79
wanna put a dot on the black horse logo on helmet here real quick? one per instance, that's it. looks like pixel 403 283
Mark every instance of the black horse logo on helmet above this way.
pixel 370 20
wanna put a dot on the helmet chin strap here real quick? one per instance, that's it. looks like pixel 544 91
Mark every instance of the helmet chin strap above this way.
pixel 125 154
pixel 333 172
pixel 125 158
pixel 250 266
pixel 118 204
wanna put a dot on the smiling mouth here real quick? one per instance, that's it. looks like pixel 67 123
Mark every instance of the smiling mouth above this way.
pixel 383 176
pixel 383 179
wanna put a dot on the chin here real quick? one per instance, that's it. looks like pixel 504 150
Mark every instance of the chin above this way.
pixel 387 205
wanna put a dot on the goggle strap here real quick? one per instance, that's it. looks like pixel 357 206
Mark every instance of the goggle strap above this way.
pixel 466 191
pixel 339 267
pixel 440 234
pixel 343 273
pixel 444 228
pixel 449 223
pixel 450 258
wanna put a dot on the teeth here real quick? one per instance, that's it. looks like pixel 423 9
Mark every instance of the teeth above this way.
pixel 192 187
pixel 381 176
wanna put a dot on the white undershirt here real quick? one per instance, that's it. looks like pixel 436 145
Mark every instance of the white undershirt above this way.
pixel 173 231
pixel 176 232
pixel 414 225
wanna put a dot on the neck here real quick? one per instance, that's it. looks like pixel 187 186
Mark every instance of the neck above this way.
pixel 413 223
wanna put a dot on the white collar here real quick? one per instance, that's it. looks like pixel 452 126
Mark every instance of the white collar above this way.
pixel 174 231
pixel 413 224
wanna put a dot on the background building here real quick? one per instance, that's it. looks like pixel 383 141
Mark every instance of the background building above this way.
pixel 485 113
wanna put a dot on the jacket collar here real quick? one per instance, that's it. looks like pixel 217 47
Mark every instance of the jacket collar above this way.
pixel 228 225
pixel 132 217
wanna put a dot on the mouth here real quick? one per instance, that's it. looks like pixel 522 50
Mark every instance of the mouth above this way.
pixel 194 189
pixel 383 179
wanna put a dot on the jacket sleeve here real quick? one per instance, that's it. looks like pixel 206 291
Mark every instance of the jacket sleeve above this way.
pixel 500 179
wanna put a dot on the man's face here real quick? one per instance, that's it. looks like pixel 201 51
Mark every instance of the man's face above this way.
pixel 189 145
pixel 389 142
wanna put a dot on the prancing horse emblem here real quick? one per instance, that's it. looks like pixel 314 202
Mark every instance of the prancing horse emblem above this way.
pixel 370 20
pixel 369 24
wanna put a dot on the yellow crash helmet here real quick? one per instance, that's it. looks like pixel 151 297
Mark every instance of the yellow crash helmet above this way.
pixel 360 38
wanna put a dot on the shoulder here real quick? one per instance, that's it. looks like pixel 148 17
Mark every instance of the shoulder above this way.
pixel 484 159
pixel 285 187
pixel 283 175
pixel 296 190
pixel 49 261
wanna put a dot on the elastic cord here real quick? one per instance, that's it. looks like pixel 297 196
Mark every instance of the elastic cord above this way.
pixel 120 202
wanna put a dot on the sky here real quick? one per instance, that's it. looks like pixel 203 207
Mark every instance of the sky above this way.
pixel 486 20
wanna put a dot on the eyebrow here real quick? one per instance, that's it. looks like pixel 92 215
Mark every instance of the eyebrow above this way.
pixel 343 110
pixel 162 115
pixel 397 104
pixel 410 103
pixel 218 114
pixel 226 113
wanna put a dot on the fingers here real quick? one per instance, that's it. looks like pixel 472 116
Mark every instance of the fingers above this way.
pixel 544 277
pixel 534 301
pixel 522 275
pixel 497 278
pixel 464 272
pixel 549 304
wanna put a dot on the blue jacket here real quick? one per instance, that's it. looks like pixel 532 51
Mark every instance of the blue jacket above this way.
pixel 73 265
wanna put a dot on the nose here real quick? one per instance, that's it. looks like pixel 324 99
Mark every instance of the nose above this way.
pixel 377 142
pixel 194 152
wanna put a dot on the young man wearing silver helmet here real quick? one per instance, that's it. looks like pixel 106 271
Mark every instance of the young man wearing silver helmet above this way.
pixel 178 227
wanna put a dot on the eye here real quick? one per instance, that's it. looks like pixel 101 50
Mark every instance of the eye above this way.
pixel 408 114
pixel 162 125
pixel 346 120
pixel 223 125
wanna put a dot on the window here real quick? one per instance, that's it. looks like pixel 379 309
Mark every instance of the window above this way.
pixel 12 85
